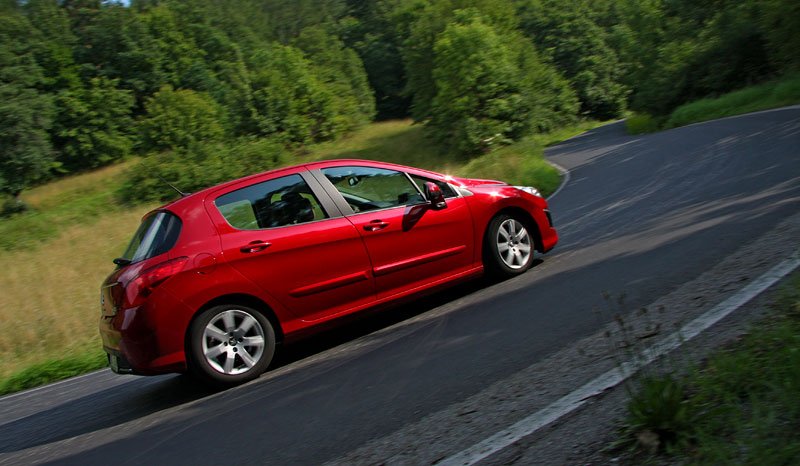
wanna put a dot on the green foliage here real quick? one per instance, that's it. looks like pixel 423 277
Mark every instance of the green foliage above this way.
pixel 180 119
pixel 571 34
pixel 290 100
pixel 308 71
pixel 94 125
pixel 479 101
pixel 53 371
pixel 760 97
pixel 741 406
pixel 491 89
pixel 25 113
pixel 420 23
pixel 640 123
pixel 343 71
pixel 197 167
pixel 373 33
pixel 751 99
pixel 780 21
pixel 658 409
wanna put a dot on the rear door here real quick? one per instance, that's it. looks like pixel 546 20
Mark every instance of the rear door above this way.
pixel 284 233
pixel 410 244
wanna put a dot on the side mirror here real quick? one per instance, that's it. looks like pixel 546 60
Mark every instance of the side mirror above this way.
pixel 435 196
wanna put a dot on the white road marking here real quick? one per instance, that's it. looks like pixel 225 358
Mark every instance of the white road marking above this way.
pixel 564 182
pixel 614 377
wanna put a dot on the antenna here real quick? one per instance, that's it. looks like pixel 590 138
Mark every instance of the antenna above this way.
pixel 183 194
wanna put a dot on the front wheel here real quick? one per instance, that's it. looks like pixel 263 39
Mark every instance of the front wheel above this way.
pixel 508 246
pixel 230 344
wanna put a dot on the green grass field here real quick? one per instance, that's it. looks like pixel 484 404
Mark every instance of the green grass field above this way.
pixel 54 257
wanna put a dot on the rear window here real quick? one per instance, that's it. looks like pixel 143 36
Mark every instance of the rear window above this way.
pixel 156 235
pixel 274 203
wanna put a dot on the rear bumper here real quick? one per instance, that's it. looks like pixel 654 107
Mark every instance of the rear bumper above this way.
pixel 137 341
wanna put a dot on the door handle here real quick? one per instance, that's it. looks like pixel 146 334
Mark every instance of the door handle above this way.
pixel 376 225
pixel 255 246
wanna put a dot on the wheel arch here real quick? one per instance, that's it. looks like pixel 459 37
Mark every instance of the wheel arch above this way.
pixel 524 216
pixel 243 300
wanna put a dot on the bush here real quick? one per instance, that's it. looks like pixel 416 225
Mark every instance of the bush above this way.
pixel 178 119
pixel 658 414
pixel 639 123
pixel 199 167
pixel 751 99
pixel 10 205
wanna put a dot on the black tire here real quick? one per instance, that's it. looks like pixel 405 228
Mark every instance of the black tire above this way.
pixel 230 344
pixel 517 257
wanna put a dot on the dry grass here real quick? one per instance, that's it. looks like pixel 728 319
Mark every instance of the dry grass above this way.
pixel 46 196
pixel 49 303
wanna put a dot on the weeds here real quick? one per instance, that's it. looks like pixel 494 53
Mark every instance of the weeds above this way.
pixel 53 370
pixel 760 97
pixel 740 407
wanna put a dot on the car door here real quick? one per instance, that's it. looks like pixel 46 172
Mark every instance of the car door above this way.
pixel 300 251
pixel 411 245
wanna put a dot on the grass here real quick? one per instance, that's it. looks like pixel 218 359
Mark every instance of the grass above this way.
pixel 764 96
pixel 54 207
pixel 740 407
pixel 54 257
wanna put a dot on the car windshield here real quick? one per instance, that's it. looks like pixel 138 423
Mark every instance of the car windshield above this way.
pixel 156 235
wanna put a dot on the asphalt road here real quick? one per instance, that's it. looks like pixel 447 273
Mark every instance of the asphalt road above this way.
pixel 640 215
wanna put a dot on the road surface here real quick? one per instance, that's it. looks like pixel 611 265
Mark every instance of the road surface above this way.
pixel 640 216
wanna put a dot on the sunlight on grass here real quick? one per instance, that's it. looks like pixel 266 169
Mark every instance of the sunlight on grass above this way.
pixel 50 300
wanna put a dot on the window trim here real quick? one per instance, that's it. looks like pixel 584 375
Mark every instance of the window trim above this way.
pixel 328 206
pixel 341 202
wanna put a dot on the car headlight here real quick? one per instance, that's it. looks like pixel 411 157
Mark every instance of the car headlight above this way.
pixel 529 190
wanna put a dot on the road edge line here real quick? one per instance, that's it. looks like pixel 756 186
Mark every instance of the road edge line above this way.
pixel 564 181
pixel 614 377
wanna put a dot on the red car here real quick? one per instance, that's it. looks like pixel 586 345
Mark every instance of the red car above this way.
pixel 212 282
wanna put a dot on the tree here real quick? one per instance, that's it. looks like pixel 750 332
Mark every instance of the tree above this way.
pixel 94 126
pixel 176 120
pixel 341 69
pixel 289 100
pixel 491 89
pixel 571 35
pixel 419 24
pixel 25 114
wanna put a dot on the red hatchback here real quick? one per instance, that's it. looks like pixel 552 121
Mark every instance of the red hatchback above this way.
pixel 213 281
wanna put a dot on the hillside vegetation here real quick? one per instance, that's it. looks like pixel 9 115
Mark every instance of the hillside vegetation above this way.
pixel 99 100
pixel 244 83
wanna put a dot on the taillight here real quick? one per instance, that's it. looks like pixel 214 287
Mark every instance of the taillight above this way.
pixel 143 285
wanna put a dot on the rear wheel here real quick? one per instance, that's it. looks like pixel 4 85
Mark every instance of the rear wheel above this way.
pixel 508 246
pixel 230 344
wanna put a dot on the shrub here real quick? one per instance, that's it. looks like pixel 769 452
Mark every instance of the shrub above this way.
pixel 199 167
pixel 657 412
pixel 640 123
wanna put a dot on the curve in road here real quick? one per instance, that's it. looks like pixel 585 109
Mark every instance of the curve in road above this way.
pixel 640 216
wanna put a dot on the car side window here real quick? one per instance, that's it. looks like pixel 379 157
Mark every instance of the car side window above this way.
pixel 275 203
pixel 367 188
pixel 447 190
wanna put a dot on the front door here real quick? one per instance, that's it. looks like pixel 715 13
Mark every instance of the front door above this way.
pixel 410 244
